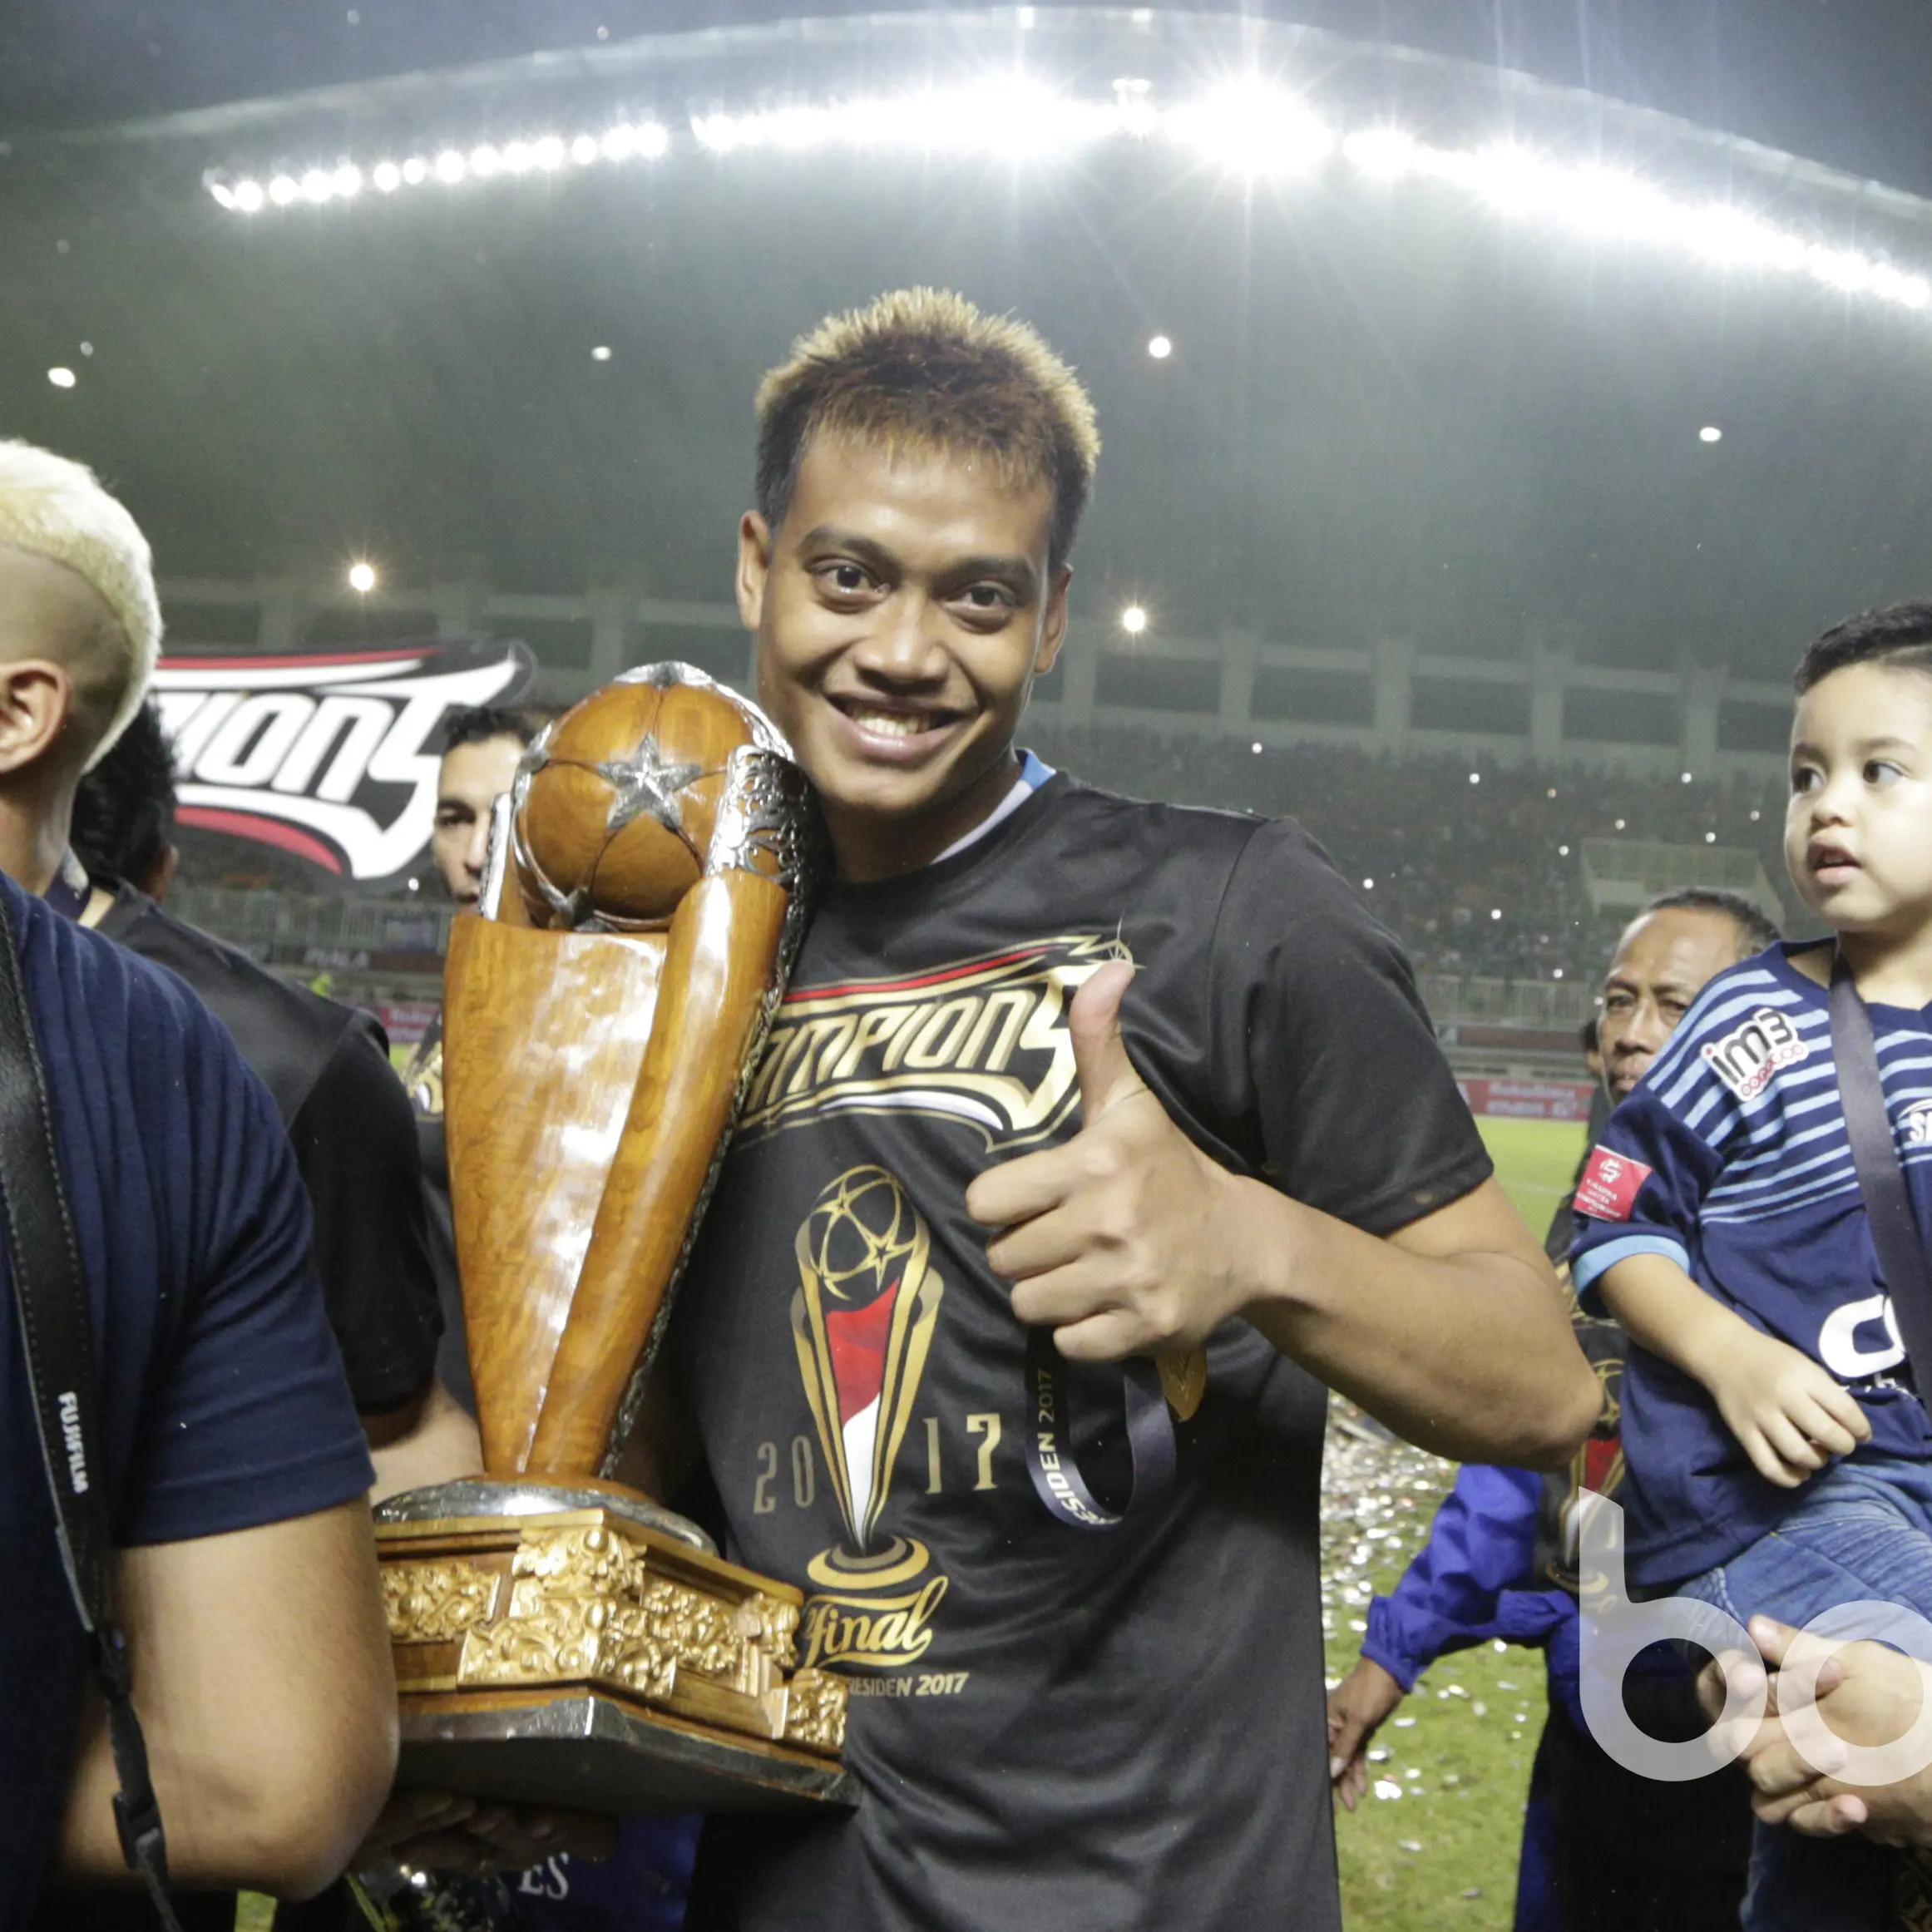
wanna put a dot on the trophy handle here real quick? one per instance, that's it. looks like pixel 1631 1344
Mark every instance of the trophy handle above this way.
pixel 713 994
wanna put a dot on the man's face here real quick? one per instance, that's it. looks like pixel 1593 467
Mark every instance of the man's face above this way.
pixel 472 778
pixel 1858 831
pixel 902 609
pixel 1661 965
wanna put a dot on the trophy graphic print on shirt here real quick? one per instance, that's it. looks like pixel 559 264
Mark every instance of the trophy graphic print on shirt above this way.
pixel 862 1321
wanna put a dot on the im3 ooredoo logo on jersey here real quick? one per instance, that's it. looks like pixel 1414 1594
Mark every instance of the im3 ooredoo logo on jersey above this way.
pixel 1745 1058
pixel 983 1041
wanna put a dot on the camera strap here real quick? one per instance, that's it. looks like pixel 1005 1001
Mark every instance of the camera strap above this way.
pixel 1881 1179
pixel 50 1294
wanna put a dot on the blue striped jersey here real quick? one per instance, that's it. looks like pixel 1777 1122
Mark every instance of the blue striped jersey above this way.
pixel 1731 1158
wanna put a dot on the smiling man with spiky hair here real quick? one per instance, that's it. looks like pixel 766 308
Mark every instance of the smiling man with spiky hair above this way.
pixel 1074 1102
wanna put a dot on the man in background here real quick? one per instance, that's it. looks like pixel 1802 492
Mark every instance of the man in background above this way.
pixel 1601 1847
pixel 482 746
pixel 327 1066
pixel 230 1459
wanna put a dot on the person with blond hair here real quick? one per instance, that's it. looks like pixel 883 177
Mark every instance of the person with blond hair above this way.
pixel 1075 1102
pixel 226 1447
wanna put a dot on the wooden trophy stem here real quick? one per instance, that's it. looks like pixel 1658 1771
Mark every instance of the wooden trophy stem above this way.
pixel 723 947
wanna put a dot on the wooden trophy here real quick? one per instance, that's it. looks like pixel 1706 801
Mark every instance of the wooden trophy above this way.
pixel 559 1638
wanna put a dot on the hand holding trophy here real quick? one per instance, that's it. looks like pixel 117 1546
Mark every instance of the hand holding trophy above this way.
pixel 559 1638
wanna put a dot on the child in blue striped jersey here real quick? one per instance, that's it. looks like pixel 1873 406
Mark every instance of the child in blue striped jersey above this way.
pixel 1779 1458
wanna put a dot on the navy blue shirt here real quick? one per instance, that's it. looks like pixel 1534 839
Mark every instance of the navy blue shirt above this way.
pixel 223 1401
pixel 1731 1158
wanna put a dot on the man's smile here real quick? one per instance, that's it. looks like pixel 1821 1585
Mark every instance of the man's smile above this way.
pixel 893 727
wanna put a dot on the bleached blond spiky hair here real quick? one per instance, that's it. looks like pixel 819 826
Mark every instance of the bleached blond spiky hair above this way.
pixel 56 508
pixel 924 369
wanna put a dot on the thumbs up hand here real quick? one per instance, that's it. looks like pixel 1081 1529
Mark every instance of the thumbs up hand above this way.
pixel 1128 1239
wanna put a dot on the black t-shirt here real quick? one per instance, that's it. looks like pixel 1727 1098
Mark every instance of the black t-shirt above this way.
pixel 422 1081
pixel 1054 1729
pixel 327 1066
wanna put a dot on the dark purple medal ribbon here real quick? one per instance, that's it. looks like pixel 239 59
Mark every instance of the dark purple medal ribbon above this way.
pixel 1049 1440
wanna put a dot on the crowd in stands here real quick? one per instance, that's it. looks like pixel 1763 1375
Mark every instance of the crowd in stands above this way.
pixel 1477 867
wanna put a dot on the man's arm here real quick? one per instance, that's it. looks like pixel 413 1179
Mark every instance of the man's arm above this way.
pixel 262 1682
pixel 1452 1330
pixel 426 1441
pixel 1130 1240
pixel 1790 1414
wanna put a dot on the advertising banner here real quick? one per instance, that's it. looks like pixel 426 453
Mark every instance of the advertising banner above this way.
pixel 331 757
pixel 1527 1099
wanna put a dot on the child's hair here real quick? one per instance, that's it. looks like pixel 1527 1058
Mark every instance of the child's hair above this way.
pixel 1900 636
pixel 923 369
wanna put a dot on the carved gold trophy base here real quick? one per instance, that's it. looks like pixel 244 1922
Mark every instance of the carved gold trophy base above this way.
pixel 578 1646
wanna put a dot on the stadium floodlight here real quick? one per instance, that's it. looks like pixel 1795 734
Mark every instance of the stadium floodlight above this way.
pixel 1133 104
pixel 1252 129
pixel 1011 118
pixel 1386 153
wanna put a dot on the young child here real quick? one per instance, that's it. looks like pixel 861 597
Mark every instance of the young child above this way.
pixel 1780 1459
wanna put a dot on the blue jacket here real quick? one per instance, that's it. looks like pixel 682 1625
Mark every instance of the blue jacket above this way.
pixel 1474 1580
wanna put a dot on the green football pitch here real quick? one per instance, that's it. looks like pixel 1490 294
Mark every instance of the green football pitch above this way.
pixel 1536 1162
pixel 1443 1853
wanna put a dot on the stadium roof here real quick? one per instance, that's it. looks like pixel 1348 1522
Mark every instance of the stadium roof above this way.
pixel 1460 398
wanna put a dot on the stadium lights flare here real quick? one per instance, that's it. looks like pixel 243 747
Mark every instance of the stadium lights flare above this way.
pixel 1249 129
pixel 542 155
